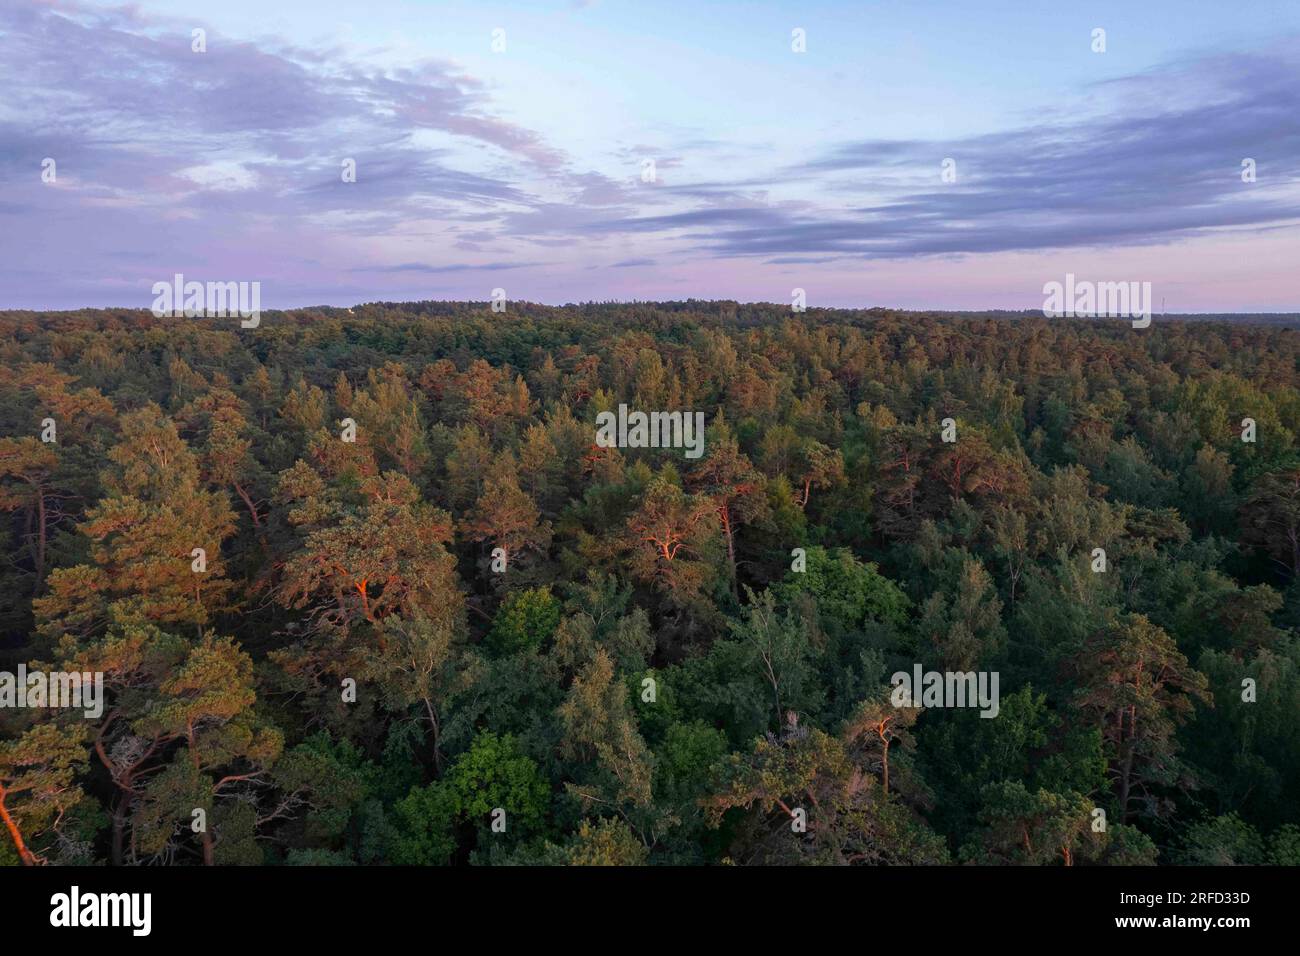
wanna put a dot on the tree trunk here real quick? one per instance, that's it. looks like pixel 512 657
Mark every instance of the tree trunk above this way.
pixel 40 539
pixel 365 601
pixel 437 750
pixel 206 835
pixel 119 830
pixel 731 548
pixel 1125 784
pixel 26 855
pixel 239 489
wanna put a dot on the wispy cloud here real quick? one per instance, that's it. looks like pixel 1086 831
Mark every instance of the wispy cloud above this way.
pixel 230 161
pixel 1164 168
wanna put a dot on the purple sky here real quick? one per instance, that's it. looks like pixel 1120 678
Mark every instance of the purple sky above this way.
pixel 522 169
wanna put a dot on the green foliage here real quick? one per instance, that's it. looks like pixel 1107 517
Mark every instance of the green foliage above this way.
pixel 1222 841
pixel 526 621
pixel 493 774
pixel 422 831
pixel 606 843
pixel 350 681
pixel 848 592
pixel 1286 846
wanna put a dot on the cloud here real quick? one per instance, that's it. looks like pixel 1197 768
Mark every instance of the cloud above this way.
pixel 1147 159
pixel 455 267
pixel 99 88
pixel 1162 163
pixel 228 164
pixel 231 159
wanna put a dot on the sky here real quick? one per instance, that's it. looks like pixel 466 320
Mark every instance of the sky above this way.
pixel 945 154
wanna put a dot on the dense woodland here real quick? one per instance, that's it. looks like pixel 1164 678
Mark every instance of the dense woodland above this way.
pixel 649 681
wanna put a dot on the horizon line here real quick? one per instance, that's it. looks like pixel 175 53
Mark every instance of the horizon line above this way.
pixel 635 301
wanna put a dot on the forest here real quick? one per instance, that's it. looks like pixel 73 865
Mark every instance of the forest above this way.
pixel 364 588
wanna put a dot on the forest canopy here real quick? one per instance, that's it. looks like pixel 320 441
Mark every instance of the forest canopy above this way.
pixel 364 588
